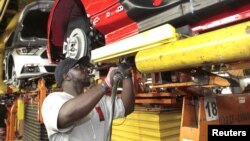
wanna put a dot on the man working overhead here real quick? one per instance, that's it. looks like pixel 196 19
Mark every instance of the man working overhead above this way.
pixel 72 115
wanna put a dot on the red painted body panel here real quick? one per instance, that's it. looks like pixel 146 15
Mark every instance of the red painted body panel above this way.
pixel 123 32
pixel 48 30
pixel 107 16
pixel 114 23
pixel 93 7
pixel 223 19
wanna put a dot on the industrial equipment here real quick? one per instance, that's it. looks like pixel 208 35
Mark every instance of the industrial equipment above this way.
pixel 186 76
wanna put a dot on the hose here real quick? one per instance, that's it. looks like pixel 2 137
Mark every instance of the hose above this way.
pixel 116 81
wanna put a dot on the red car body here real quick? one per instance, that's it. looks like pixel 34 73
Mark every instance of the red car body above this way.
pixel 119 19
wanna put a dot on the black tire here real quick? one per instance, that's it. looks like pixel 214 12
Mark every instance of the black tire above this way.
pixel 77 43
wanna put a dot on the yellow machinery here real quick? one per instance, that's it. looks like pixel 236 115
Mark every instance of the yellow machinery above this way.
pixel 3 7
pixel 194 64
pixel 148 126
pixel 229 44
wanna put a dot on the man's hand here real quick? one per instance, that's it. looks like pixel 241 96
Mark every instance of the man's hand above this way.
pixel 123 70
pixel 109 78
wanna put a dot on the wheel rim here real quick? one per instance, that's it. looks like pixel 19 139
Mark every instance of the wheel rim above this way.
pixel 76 45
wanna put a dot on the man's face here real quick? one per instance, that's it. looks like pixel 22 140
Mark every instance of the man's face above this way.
pixel 80 75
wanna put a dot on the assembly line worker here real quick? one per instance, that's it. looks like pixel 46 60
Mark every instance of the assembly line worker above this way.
pixel 72 115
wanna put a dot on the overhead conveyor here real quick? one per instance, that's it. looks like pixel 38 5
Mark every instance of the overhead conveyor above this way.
pixel 230 44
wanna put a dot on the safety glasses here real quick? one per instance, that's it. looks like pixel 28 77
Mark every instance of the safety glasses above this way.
pixel 81 67
pixel 78 67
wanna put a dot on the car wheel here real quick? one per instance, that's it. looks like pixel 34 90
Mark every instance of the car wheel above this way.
pixel 77 44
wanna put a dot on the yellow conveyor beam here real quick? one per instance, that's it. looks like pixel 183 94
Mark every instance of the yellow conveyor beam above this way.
pixel 221 46
pixel 3 6
pixel 131 45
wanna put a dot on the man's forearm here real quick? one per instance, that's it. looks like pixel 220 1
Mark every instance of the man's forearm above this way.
pixel 128 96
pixel 79 106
